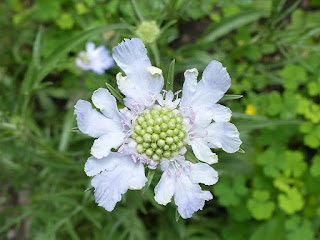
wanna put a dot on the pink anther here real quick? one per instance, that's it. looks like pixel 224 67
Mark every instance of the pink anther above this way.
pixel 121 149
pixel 134 157
pixel 204 134
pixel 177 92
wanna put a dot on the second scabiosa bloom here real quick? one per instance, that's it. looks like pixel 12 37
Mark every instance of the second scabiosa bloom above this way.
pixel 95 59
pixel 154 129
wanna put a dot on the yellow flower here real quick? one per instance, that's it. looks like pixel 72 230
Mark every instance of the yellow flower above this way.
pixel 251 110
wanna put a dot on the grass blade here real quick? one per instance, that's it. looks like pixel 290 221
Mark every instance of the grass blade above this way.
pixel 169 84
pixel 228 24
pixel 115 93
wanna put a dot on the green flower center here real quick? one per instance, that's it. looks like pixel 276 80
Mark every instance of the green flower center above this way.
pixel 84 57
pixel 160 133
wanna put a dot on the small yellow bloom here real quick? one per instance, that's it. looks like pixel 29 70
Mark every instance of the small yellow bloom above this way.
pixel 251 110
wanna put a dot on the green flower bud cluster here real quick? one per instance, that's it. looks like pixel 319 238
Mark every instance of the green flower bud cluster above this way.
pixel 148 31
pixel 160 133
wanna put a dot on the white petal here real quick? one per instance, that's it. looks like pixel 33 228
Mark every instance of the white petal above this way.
pixel 143 82
pixel 125 85
pixel 102 146
pixel 189 196
pixel 203 118
pixel 165 188
pixel 216 78
pixel 189 86
pixel 202 151
pixel 90 46
pixel 110 185
pixel 156 80
pixel 221 113
pixel 203 173
pixel 103 100
pixel 94 166
pixel 211 88
pixel 223 135
pixel 138 178
pixel 93 123
pixel 131 57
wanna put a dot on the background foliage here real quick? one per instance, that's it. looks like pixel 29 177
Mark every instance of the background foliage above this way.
pixel 271 49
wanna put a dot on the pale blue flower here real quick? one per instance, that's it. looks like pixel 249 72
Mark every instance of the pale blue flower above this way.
pixel 95 59
pixel 155 128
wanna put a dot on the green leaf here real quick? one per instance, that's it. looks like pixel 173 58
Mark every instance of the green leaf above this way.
pixel 170 78
pixel 273 161
pixel 65 21
pixel 315 167
pixel 227 97
pixel 252 125
pixel 177 216
pixel 229 24
pixel 115 93
pixel 293 75
pixel 272 229
pixel 69 122
pixel 295 165
pixel 150 176
pixel 302 231
pixel 291 201
pixel 259 206
pixel 29 78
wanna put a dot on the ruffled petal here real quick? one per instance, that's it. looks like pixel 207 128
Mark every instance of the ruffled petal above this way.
pixel 138 178
pixel 202 118
pixel 223 135
pixel 189 86
pixel 93 123
pixel 102 146
pixel 156 80
pixel 107 104
pixel 203 173
pixel 110 185
pixel 211 88
pixel 126 86
pixel 202 151
pixel 221 113
pixel 189 196
pixel 94 166
pixel 165 188
pixel 143 82
pixel 131 57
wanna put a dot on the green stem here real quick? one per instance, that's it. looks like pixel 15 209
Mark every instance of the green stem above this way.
pixel 155 51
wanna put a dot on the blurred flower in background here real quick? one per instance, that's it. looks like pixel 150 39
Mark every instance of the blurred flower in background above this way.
pixel 95 59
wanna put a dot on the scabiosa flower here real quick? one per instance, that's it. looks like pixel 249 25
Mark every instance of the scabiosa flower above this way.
pixel 154 128
pixel 96 59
